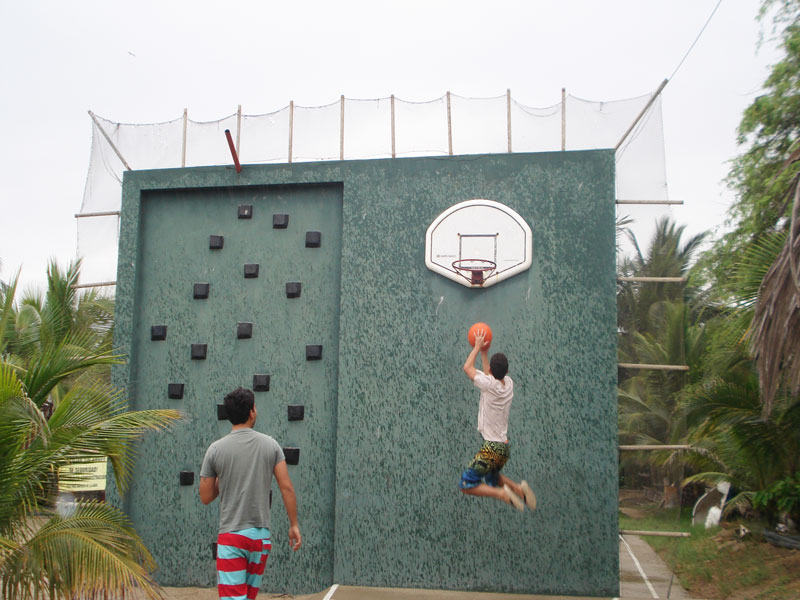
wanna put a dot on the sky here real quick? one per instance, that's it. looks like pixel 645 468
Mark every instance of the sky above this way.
pixel 144 62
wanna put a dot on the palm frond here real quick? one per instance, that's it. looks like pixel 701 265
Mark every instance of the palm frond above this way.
pixel 92 551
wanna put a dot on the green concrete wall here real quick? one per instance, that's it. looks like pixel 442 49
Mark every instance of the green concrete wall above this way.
pixel 390 417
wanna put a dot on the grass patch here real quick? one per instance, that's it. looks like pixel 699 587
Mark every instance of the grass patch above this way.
pixel 714 563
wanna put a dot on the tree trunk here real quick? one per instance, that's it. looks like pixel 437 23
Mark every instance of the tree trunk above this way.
pixel 672 494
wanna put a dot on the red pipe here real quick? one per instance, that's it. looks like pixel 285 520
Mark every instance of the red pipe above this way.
pixel 233 151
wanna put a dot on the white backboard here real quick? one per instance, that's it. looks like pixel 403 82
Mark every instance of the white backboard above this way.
pixel 479 230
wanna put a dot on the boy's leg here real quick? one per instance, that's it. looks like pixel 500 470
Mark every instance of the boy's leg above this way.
pixel 515 487
pixel 482 476
pixel 241 558
pixel 483 489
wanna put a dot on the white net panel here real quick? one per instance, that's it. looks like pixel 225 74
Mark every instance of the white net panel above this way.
pixel 362 129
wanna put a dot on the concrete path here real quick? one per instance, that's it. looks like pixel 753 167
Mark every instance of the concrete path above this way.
pixel 642 574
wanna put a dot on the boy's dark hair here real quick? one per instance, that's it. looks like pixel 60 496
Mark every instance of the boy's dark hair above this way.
pixel 238 405
pixel 498 365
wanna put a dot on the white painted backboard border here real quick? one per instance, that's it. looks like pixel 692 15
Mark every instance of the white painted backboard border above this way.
pixel 500 232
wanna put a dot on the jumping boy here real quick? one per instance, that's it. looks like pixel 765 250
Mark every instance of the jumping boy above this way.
pixel 482 477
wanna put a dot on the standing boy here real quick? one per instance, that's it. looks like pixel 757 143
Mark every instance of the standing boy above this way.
pixel 239 468
pixel 482 477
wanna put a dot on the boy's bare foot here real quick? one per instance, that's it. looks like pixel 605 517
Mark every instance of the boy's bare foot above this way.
pixel 513 499
pixel 527 493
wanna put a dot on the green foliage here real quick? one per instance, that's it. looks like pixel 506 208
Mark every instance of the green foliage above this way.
pixel 769 132
pixel 658 325
pixel 55 352
pixel 781 496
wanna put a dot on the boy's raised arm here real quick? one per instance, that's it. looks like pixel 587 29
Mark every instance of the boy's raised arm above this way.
pixel 469 365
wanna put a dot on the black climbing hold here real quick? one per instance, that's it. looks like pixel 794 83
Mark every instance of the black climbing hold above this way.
pixel 292 455
pixel 314 352
pixel 245 211
pixel 244 331
pixel 201 291
pixel 199 351
pixel 187 477
pixel 222 413
pixel 313 239
pixel 296 412
pixel 250 271
pixel 280 221
pixel 158 333
pixel 260 383
pixel 293 289
pixel 215 242
pixel 214 550
pixel 175 391
pixel 270 498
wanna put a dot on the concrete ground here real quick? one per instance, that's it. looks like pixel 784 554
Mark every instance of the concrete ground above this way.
pixel 642 575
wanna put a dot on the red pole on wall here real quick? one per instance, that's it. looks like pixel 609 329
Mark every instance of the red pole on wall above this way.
pixel 233 151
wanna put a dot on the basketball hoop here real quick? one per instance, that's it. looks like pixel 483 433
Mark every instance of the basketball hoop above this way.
pixel 474 270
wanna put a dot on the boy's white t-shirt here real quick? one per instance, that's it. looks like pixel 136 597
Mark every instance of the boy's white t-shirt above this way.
pixel 494 407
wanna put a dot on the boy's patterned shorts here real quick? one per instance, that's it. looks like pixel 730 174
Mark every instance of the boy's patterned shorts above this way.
pixel 241 558
pixel 486 466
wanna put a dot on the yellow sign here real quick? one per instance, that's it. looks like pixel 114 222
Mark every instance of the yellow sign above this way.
pixel 83 477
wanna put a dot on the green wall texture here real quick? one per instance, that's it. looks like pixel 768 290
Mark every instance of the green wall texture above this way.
pixel 389 415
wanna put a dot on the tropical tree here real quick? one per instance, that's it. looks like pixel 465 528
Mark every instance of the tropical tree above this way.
pixel 661 324
pixel 638 304
pixel 49 354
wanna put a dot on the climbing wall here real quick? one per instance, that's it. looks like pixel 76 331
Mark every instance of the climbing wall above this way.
pixel 236 287
pixel 307 282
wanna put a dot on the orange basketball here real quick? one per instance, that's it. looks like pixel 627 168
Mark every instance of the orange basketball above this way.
pixel 477 327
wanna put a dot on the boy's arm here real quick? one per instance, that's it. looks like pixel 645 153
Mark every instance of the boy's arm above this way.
pixel 289 502
pixel 209 489
pixel 469 365
pixel 485 360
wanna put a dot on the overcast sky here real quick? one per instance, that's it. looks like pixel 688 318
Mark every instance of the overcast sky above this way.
pixel 143 62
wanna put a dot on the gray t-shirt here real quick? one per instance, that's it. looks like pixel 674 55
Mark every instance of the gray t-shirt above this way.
pixel 243 462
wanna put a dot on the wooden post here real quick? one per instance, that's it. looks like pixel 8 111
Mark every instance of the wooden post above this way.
pixel 394 155
pixel 642 113
pixel 651 202
pixel 508 117
pixel 449 128
pixel 76 286
pixel 110 143
pixel 341 129
pixel 239 131
pixel 653 367
pixel 652 279
pixel 636 447
pixel 655 533
pixel 107 213
pixel 291 127
pixel 185 126
pixel 563 119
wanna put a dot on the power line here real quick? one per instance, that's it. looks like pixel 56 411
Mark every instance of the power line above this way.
pixel 685 56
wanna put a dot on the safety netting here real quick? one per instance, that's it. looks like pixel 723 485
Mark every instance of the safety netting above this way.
pixel 383 128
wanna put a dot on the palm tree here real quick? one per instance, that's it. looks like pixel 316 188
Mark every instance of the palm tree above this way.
pixel 667 256
pixel 93 547
pixel 649 410
pixel 53 351
pixel 659 323
pixel 732 440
